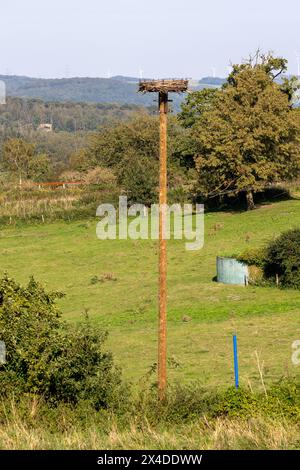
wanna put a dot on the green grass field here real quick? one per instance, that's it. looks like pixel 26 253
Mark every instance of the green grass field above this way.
pixel 66 256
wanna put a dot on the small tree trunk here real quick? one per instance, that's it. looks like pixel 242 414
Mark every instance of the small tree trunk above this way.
pixel 250 201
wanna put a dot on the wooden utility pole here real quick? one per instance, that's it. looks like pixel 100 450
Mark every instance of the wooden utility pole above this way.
pixel 162 87
pixel 162 326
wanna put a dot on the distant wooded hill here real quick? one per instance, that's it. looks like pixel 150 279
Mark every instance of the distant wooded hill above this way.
pixel 20 115
pixel 119 89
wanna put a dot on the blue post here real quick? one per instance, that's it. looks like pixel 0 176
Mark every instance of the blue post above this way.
pixel 236 363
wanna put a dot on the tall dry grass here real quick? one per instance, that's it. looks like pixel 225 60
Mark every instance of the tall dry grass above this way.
pixel 31 429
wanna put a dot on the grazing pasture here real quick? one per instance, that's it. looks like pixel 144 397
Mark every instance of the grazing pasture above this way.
pixel 115 283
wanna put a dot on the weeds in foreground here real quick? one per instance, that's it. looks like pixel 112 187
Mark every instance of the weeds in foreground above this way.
pixel 30 428
pixel 191 418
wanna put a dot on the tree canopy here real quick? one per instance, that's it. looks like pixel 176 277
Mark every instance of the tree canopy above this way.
pixel 247 134
pixel 20 158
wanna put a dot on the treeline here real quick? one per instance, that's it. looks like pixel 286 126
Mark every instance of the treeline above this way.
pixel 119 89
pixel 71 124
pixel 77 89
pixel 227 144
pixel 21 115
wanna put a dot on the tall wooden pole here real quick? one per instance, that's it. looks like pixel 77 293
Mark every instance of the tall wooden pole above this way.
pixel 163 87
pixel 162 326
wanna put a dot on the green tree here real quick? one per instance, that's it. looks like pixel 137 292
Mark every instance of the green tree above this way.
pixel 19 157
pixel 139 134
pixel 81 160
pixel 249 137
pixel 131 150
pixel 39 167
pixel 138 176
pixel 195 105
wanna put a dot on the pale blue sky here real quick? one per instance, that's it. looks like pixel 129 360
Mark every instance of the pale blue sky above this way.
pixel 189 38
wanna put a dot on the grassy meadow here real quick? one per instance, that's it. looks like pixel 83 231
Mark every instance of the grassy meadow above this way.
pixel 115 282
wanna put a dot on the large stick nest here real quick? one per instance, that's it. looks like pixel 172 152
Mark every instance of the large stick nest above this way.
pixel 164 86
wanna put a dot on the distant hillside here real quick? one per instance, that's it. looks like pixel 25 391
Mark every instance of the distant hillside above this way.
pixel 119 89
pixel 21 114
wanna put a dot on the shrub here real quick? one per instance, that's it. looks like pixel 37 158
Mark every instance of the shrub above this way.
pixel 234 402
pixel 48 357
pixel 71 176
pixel 100 176
pixel 188 402
pixel 253 257
pixel 283 259
pixel 183 403
pixel 256 275
pixel 281 398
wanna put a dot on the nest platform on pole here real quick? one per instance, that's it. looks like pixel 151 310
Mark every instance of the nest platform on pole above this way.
pixel 163 87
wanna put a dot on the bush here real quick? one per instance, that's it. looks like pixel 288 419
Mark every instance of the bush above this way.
pixel 234 402
pixel 189 402
pixel 253 257
pixel 283 259
pixel 47 357
pixel 281 398
pixel 101 176
pixel 71 176
pixel 183 403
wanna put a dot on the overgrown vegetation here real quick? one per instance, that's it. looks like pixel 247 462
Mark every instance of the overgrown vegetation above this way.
pixel 279 260
pixel 30 425
pixel 31 203
pixel 282 258
pixel 59 378
pixel 120 158
pixel 253 257
pixel 46 357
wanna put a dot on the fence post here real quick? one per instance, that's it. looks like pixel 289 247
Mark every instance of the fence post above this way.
pixel 236 363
